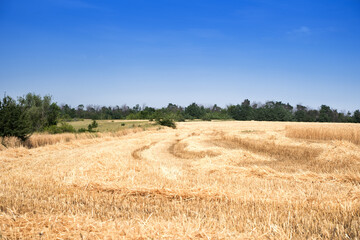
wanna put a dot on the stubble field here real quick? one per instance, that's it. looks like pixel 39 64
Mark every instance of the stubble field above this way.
pixel 211 180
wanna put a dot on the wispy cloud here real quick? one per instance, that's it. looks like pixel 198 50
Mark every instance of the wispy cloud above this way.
pixel 303 30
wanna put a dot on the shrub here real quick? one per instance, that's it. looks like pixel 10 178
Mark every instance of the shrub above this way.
pixel 63 128
pixel 166 122
pixel 206 117
pixel 180 118
pixel 82 130
pixel 53 129
pixel 93 125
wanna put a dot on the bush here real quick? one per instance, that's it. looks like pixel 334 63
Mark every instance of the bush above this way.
pixel 180 118
pixel 53 129
pixel 206 117
pixel 166 122
pixel 82 130
pixel 63 128
pixel 93 125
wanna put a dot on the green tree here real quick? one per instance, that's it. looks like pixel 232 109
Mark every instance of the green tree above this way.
pixel 356 116
pixel 301 113
pixel 235 112
pixel 195 111
pixel 53 114
pixel 325 114
pixel 42 113
pixel 14 120
pixel 246 110
pixel 274 111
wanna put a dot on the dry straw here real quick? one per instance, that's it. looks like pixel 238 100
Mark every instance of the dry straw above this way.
pixel 347 132
pixel 169 184
pixel 43 139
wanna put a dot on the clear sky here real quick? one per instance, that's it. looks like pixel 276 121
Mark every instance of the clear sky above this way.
pixel 180 51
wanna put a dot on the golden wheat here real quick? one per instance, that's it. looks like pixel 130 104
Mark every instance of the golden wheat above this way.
pixel 347 132
pixel 281 152
pixel 203 180
pixel 43 139
pixel 178 149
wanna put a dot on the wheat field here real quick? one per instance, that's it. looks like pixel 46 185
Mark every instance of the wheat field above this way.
pixel 203 180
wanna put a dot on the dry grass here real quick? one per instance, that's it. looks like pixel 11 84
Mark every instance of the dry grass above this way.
pixel 346 132
pixel 270 148
pixel 178 149
pixel 190 183
pixel 43 139
pixel 137 153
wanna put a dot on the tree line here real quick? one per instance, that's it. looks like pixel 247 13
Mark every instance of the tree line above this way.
pixel 270 111
pixel 33 113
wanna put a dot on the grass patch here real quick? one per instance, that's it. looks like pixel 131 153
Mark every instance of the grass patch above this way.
pixel 112 125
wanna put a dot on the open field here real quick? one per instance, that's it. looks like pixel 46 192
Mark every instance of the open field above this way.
pixel 112 125
pixel 211 180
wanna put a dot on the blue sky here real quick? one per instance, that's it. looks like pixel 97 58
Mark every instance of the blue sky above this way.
pixel 156 52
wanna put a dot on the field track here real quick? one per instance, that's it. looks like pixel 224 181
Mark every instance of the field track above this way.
pixel 217 180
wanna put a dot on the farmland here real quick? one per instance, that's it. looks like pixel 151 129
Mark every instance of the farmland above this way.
pixel 230 180
pixel 112 125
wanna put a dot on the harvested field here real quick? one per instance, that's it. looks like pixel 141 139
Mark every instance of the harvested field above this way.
pixel 326 131
pixel 210 180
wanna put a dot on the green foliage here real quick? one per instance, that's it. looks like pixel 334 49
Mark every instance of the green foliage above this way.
pixel 301 114
pixel 35 113
pixel 93 125
pixel 325 114
pixel 82 130
pixel 53 129
pixel 53 114
pixel 42 113
pixel 241 112
pixel 67 113
pixel 206 117
pixel 195 111
pixel 179 118
pixel 356 116
pixel 274 111
pixel 14 120
pixel 63 128
pixel 235 112
pixel 166 122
